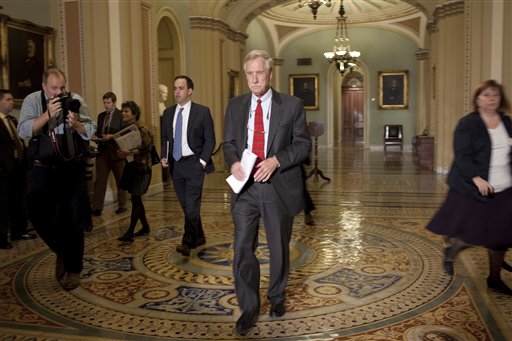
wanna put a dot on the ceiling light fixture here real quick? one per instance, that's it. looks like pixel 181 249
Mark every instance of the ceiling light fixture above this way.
pixel 342 54
pixel 314 4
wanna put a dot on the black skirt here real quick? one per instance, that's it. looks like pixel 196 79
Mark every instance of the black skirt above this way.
pixel 136 178
pixel 487 224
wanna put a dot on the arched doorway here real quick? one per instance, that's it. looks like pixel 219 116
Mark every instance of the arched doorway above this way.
pixel 352 112
pixel 168 55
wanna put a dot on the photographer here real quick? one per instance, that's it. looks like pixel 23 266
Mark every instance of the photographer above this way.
pixel 57 200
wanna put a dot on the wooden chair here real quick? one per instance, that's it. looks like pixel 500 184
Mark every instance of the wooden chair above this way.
pixel 393 135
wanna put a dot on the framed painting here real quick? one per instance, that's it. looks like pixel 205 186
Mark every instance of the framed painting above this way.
pixel 234 83
pixel 393 89
pixel 305 87
pixel 26 50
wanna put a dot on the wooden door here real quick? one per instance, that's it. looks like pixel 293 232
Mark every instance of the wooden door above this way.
pixel 352 115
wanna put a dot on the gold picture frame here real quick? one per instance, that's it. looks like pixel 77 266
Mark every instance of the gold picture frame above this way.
pixel 393 90
pixel 305 86
pixel 26 50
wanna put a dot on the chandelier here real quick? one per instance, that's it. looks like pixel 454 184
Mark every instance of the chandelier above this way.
pixel 314 4
pixel 342 54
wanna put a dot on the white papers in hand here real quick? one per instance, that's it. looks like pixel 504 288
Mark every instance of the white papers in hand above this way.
pixel 128 139
pixel 247 162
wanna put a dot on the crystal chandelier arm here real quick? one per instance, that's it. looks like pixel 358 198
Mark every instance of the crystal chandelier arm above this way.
pixel 342 54
pixel 314 5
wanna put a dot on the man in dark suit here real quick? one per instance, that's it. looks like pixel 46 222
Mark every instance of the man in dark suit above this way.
pixel 273 126
pixel 109 123
pixel 13 182
pixel 188 141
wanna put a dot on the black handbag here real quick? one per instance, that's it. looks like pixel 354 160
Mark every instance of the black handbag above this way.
pixel 155 158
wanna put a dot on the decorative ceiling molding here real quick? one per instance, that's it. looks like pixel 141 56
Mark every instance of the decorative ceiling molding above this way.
pixel 449 9
pixel 208 23
pixel 422 54
pixel 413 24
pixel 282 31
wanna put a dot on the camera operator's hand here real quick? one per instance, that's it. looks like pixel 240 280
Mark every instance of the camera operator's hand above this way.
pixel 54 106
pixel 73 122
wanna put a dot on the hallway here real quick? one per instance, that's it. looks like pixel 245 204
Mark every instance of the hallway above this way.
pixel 368 270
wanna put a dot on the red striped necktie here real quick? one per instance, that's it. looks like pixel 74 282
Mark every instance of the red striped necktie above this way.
pixel 258 142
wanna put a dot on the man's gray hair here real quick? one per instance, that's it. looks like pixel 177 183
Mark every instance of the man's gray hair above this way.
pixel 269 62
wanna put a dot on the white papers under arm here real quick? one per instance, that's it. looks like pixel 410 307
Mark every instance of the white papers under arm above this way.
pixel 128 139
pixel 247 162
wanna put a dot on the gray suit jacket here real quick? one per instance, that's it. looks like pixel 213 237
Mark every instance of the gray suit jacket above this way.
pixel 288 140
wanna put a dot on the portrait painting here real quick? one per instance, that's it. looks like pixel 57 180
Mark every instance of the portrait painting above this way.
pixel 234 83
pixel 306 88
pixel 393 89
pixel 26 54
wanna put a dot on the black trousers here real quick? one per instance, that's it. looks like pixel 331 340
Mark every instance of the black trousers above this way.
pixel 308 202
pixel 13 213
pixel 57 206
pixel 188 178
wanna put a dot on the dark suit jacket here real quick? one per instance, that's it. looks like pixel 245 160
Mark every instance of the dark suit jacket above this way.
pixel 7 160
pixel 200 134
pixel 116 124
pixel 472 149
pixel 288 140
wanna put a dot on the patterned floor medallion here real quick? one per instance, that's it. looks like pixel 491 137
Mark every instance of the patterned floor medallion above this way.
pixel 367 270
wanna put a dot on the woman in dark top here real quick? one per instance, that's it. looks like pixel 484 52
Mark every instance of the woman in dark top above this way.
pixel 137 173
pixel 478 208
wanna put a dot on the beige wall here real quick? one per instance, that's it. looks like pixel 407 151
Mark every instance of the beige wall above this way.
pixel 467 42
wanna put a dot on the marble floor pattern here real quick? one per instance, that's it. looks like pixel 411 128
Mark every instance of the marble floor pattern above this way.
pixel 367 270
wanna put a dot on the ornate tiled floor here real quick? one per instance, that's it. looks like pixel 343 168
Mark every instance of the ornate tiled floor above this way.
pixel 367 270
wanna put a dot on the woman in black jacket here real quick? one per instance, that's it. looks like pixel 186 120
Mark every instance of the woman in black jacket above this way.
pixel 477 210
pixel 137 172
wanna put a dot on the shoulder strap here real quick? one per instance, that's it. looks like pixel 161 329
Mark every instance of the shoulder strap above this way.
pixel 45 107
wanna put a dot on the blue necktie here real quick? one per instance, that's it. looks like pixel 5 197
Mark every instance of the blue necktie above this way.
pixel 177 153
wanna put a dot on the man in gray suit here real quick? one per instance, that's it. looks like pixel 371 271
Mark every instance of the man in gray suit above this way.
pixel 273 126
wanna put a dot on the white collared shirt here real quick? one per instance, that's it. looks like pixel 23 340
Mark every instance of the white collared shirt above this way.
pixel 186 151
pixel 266 105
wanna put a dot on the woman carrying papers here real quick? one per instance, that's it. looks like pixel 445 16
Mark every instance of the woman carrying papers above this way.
pixel 137 172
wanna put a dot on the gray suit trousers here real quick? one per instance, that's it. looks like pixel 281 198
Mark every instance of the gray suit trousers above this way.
pixel 260 200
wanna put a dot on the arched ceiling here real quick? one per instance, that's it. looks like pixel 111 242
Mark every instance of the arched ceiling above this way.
pixel 357 11
pixel 239 13
pixel 284 20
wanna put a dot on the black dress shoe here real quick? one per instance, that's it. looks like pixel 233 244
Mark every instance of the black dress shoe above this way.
pixel 200 241
pixel 308 219
pixel 60 271
pixel 127 237
pixel 507 267
pixel 448 263
pixel 96 212
pixel 142 232
pixel 499 286
pixel 6 246
pixel 245 322
pixel 277 310
pixel 25 236
pixel 121 210
pixel 183 249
